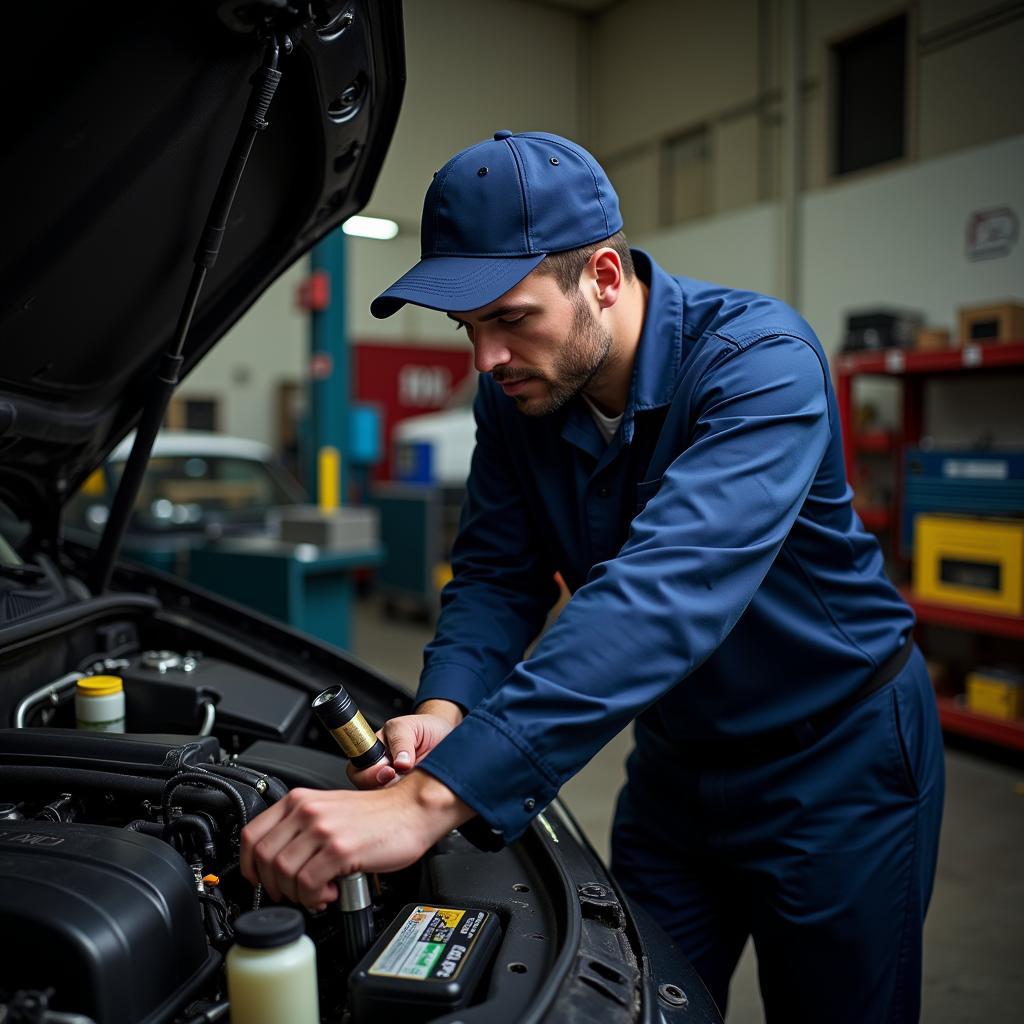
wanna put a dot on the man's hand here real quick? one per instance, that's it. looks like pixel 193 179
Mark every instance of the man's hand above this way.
pixel 297 847
pixel 409 739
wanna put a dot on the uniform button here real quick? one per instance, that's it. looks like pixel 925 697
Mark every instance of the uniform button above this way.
pixel 504 133
pixel 529 803
pixel 604 492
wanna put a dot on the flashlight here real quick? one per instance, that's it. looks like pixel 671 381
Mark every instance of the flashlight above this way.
pixel 338 714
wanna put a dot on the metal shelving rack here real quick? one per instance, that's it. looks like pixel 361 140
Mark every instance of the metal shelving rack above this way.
pixel 912 370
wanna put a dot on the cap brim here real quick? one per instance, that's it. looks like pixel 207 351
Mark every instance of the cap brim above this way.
pixel 455 283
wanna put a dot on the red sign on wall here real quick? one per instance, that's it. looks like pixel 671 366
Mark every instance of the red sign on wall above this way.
pixel 404 381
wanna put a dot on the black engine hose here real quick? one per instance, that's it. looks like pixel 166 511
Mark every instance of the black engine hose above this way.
pixel 197 823
pixel 47 778
pixel 213 782
pixel 275 790
pixel 149 828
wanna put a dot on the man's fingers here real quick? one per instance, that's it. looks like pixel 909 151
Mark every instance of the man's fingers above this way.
pixel 408 739
pixel 402 736
pixel 253 833
pixel 266 842
pixel 283 869
pixel 315 882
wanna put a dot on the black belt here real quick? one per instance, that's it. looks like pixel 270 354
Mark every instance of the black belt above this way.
pixel 791 739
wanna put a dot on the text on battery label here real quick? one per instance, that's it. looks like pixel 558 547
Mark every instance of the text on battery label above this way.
pixel 418 945
pixel 451 961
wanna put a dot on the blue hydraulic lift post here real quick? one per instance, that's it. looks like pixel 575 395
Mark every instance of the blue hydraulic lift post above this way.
pixel 329 381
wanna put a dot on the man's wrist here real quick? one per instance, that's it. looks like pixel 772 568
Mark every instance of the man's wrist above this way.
pixel 440 806
pixel 446 709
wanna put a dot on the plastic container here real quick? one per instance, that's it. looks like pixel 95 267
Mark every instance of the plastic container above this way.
pixel 99 703
pixel 272 969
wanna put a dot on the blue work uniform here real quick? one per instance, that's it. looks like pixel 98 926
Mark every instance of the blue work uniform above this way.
pixel 727 598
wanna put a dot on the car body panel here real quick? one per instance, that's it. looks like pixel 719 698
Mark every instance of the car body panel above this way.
pixel 110 169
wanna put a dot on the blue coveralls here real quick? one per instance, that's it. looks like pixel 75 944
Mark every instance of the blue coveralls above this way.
pixel 724 590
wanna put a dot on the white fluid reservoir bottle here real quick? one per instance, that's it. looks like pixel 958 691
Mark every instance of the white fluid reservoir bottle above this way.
pixel 99 703
pixel 272 969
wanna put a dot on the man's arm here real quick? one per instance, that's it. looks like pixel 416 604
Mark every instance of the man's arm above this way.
pixel 648 617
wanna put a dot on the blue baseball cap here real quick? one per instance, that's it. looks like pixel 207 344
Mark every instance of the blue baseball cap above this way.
pixel 492 214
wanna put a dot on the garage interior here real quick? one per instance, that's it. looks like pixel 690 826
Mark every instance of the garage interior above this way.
pixel 865 163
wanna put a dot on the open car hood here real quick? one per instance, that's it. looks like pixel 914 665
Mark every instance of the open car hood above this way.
pixel 118 124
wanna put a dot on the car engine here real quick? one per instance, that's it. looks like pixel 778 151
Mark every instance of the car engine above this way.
pixel 119 875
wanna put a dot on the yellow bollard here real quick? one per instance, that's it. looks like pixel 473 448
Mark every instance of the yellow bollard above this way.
pixel 329 478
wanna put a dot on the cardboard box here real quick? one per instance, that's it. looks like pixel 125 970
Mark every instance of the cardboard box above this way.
pixel 1002 322
pixel 932 339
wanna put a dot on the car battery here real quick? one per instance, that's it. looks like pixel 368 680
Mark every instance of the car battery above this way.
pixel 977 564
pixel 429 962
pixel 974 483
pixel 996 692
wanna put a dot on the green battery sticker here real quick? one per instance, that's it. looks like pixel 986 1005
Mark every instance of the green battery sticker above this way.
pixel 432 944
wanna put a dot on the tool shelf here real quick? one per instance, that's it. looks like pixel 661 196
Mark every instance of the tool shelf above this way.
pixel 912 370
pixel 935 614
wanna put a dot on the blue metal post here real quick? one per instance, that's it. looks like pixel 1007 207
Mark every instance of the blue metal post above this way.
pixel 329 380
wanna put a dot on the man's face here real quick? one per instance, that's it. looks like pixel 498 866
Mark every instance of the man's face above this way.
pixel 542 346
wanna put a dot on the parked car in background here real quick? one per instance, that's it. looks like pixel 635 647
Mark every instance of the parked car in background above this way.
pixel 195 482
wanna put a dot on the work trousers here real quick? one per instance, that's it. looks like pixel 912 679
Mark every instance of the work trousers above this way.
pixel 826 857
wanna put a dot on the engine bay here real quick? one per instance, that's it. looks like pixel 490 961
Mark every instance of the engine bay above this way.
pixel 119 850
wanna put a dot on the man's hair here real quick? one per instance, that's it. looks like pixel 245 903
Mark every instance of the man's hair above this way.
pixel 565 267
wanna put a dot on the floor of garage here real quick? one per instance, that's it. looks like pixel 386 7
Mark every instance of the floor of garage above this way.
pixel 975 929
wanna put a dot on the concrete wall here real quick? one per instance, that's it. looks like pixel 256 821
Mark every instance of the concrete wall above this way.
pixel 898 238
pixel 737 248
pixel 660 67
pixel 268 345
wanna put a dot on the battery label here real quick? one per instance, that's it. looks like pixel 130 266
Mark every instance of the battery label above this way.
pixel 432 944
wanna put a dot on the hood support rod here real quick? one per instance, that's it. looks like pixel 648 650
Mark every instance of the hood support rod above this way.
pixel 264 85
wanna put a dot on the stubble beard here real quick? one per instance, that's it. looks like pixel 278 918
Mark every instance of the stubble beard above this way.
pixel 581 358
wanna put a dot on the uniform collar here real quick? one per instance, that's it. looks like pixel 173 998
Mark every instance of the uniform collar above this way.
pixel 655 368
pixel 660 352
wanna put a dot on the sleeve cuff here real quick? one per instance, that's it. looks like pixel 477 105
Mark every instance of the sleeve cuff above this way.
pixel 494 770
pixel 450 680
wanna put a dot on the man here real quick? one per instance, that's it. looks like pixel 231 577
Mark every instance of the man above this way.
pixel 673 449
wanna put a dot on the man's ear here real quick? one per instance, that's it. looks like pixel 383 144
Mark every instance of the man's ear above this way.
pixel 602 277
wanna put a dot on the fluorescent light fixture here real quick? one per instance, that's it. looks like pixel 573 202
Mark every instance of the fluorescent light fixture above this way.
pixel 370 227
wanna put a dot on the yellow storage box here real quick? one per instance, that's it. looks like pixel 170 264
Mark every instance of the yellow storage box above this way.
pixel 971 563
pixel 995 693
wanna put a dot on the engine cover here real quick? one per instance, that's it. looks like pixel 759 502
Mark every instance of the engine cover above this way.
pixel 108 918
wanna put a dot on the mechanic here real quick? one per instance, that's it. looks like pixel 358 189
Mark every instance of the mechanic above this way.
pixel 672 448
